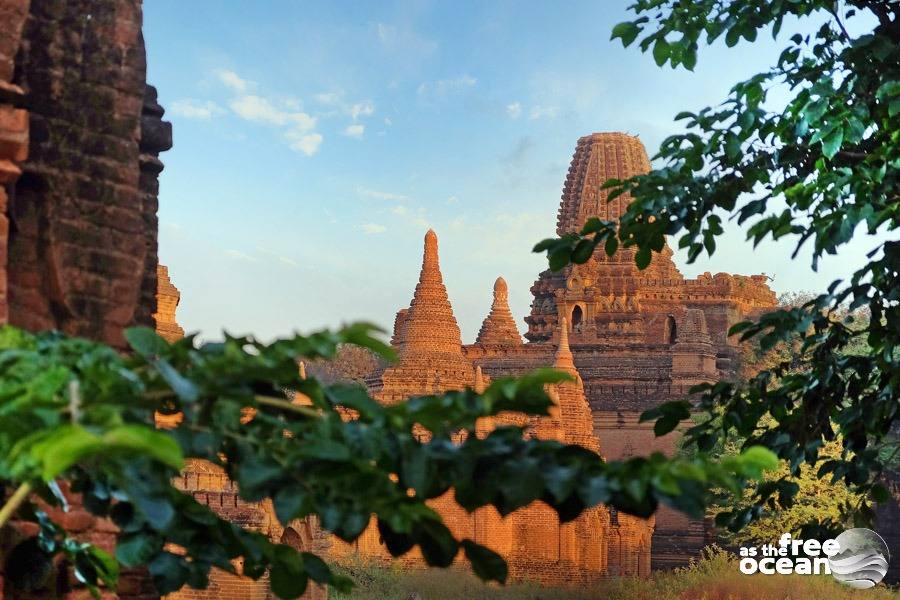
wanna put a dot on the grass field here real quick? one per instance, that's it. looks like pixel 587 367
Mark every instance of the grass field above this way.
pixel 716 577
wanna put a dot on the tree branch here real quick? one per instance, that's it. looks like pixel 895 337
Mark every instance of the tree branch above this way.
pixel 14 502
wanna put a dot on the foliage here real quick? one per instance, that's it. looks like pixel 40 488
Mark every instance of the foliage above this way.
pixel 78 414
pixel 816 169
pixel 815 499
pixel 715 576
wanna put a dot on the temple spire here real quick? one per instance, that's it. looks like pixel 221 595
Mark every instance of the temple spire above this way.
pixel 429 325
pixel 564 360
pixel 499 327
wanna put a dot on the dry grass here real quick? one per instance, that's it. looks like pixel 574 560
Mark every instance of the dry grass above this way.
pixel 716 577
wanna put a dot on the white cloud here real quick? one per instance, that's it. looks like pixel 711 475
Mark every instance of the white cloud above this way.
pixel 232 80
pixel 362 109
pixel 514 110
pixel 307 144
pixel 328 98
pixel 541 112
pixel 257 108
pixel 366 192
pixel 442 87
pixel 372 228
pixel 289 262
pixel 355 131
pixel 240 255
pixel 452 200
pixel 399 210
pixel 388 122
pixel 195 109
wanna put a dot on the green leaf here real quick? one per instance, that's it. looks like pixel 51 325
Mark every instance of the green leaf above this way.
pixel 661 51
pixel 138 438
pixel 135 549
pixel 183 387
pixel 642 257
pixel 287 576
pixel 487 564
pixel 145 341
pixel 832 143
pixel 627 31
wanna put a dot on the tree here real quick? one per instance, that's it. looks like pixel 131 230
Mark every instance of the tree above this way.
pixel 816 169
pixel 78 414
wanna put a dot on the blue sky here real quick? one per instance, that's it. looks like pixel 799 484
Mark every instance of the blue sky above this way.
pixel 316 142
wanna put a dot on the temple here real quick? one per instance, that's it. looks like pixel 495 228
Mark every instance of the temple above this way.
pixel 536 546
pixel 633 339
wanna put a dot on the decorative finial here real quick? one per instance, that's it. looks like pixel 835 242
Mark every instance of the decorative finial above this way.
pixel 501 290
pixel 499 327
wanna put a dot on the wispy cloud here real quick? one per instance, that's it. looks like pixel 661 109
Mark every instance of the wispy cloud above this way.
pixel 403 39
pixel 372 228
pixel 442 87
pixel 308 144
pixel 542 112
pixel 369 193
pixel 362 109
pixel 240 255
pixel 514 110
pixel 355 131
pixel 328 98
pixel 232 80
pixel 297 126
pixel 257 108
pixel 195 109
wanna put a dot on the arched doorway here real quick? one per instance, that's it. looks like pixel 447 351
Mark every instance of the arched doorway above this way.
pixel 577 318
pixel 671 330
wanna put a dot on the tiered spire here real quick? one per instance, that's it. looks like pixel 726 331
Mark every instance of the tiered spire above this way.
pixel 599 157
pixel 564 360
pixel 430 326
pixel 427 339
pixel 499 327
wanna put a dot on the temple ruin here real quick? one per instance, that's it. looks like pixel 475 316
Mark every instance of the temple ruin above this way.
pixel 634 339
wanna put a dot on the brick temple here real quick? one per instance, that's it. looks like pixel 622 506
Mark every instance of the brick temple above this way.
pixel 633 339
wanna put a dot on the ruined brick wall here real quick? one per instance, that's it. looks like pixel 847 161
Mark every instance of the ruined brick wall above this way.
pixel 82 241
pixel 13 127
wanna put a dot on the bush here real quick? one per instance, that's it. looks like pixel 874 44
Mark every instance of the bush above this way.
pixel 715 577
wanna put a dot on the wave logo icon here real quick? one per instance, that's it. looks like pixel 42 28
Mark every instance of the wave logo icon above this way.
pixel 862 560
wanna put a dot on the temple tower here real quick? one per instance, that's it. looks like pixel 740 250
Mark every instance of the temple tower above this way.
pixel 499 327
pixel 428 341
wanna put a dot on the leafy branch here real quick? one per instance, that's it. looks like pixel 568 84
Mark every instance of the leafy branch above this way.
pixel 236 411
pixel 815 170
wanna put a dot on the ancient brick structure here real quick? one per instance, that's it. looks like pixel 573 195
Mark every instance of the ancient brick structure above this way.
pixel 82 242
pixel 79 129
pixel 535 544
pixel 636 338
pixel 167 297
pixel 639 337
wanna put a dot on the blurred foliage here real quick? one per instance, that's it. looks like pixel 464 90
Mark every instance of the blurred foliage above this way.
pixel 79 415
